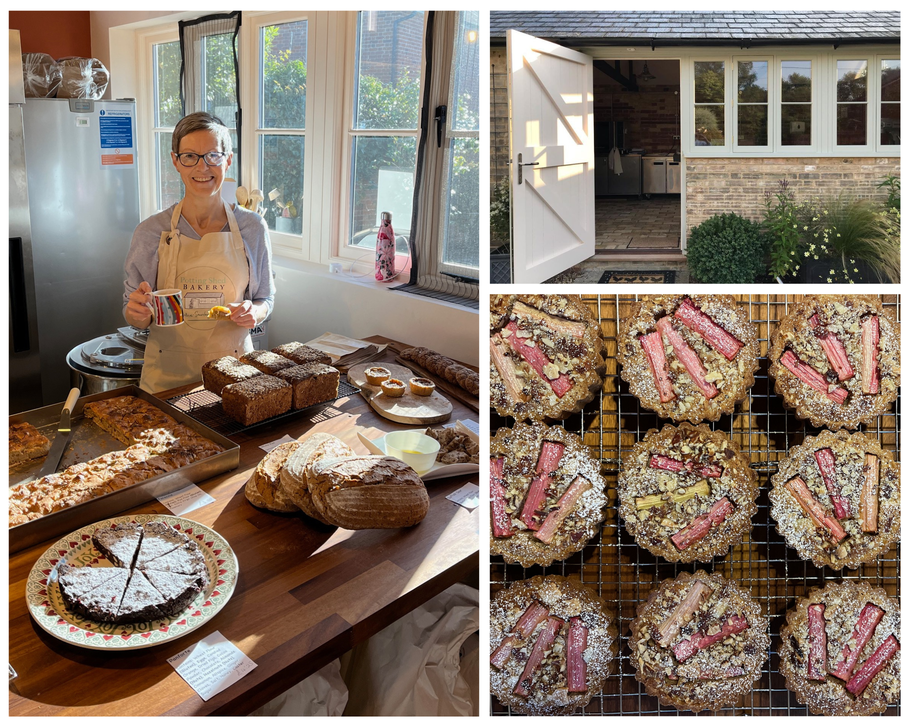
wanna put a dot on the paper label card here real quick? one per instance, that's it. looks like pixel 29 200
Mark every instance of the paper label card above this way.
pixel 212 665
pixel 467 496
pixel 186 500
pixel 268 446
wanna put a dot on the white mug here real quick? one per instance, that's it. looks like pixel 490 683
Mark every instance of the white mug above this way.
pixel 166 307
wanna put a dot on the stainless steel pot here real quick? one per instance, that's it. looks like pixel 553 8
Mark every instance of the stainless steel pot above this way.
pixel 108 362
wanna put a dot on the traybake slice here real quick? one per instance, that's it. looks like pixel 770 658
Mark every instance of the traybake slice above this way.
pixel 553 643
pixel 688 358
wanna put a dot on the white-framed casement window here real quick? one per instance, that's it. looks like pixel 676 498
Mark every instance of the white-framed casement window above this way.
pixel 711 85
pixel 889 129
pixel 797 102
pixel 383 127
pixel 754 123
pixel 280 134
pixel 166 112
pixel 851 97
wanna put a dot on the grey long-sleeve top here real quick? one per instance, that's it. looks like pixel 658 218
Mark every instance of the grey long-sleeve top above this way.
pixel 142 259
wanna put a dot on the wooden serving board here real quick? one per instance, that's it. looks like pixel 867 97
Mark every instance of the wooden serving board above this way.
pixel 407 409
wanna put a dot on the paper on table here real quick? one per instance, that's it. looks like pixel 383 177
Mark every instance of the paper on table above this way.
pixel 467 496
pixel 471 425
pixel 186 500
pixel 212 665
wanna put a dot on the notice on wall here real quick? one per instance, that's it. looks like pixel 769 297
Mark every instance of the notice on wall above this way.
pixel 117 127
pixel 212 665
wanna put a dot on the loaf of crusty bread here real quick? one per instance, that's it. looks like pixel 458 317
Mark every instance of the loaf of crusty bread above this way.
pixel 256 399
pixel 224 371
pixel 313 383
pixel 293 476
pixel 447 368
pixel 367 491
pixel 300 353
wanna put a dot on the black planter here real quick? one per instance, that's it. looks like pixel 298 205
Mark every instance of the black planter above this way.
pixel 817 271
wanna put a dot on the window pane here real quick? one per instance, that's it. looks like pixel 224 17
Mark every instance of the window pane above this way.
pixel 796 81
pixel 462 229
pixel 852 81
pixel 752 82
pixel 466 114
pixel 281 162
pixel 168 108
pixel 170 186
pixel 382 182
pixel 219 78
pixel 709 82
pixel 890 80
pixel 890 123
pixel 709 126
pixel 796 124
pixel 389 62
pixel 753 125
pixel 851 123
pixel 284 76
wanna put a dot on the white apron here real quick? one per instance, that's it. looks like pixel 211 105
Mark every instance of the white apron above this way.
pixel 211 271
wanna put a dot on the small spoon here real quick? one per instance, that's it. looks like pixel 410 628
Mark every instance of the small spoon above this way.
pixel 242 196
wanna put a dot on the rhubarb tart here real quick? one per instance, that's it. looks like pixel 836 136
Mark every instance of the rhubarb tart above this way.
pixel 547 356
pixel 836 360
pixel 840 649
pixel 553 643
pixel 687 493
pixel 688 358
pixel 699 642
pixel 836 499
pixel 546 494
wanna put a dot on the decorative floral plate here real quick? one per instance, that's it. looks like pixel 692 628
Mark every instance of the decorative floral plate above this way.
pixel 47 608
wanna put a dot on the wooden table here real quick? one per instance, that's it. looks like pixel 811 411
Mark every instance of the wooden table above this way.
pixel 306 592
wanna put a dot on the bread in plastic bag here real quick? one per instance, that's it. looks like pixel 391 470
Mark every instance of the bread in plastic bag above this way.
pixel 41 75
pixel 83 78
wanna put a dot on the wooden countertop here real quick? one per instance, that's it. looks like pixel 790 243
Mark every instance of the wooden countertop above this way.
pixel 306 592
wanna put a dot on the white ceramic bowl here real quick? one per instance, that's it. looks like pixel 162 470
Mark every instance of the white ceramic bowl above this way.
pixel 413 447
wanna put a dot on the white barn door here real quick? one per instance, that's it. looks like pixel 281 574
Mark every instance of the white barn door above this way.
pixel 550 94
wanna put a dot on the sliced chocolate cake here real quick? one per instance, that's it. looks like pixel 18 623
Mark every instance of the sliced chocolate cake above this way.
pixel 102 603
pixel 140 601
pixel 178 589
pixel 78 582
pixel 186 559
pixel 119 543
pixel 159 539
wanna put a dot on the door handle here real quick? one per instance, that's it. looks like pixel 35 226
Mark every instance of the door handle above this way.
pixel 521 165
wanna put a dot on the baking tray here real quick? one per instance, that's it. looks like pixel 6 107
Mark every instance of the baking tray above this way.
pixel 623 573
pixel 90 441
pixel 205 407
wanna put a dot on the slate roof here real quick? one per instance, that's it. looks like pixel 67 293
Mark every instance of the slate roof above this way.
pixel 711 27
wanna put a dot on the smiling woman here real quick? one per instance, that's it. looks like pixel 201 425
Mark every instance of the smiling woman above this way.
pixel 214 255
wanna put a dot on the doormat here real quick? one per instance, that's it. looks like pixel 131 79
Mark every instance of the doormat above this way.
pixel 659 242
pixel 645 277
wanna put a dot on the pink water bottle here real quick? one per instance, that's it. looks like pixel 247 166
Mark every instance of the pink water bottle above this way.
pixel 385 249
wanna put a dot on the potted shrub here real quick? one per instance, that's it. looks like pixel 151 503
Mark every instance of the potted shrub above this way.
pixel 726 249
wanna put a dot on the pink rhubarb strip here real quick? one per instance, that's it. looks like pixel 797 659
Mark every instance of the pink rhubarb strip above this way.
pixel 535 614
pixel 687 355
pixel 576 666
pixel 718 337
pixel 877 661
pixel 814 509
pixel 871 337
pixel 561 385
pixel 869 504
pixel 652 344
pixel 547 463
pixel 868 620
pixel 833 348
pixel 803 372
pixel 502 526
pixel 700 526
pixel 543 643
pixel 684 650
pixel 682 613
pixel 817 643
pixel 567 502
pixel 662 462
pixel 826 462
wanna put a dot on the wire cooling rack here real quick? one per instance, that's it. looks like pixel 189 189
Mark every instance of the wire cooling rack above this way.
pixel 623 573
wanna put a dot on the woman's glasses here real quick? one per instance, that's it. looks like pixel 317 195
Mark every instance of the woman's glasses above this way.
pixel 212 158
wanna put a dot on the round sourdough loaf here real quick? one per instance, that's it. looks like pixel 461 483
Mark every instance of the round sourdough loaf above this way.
pixel 294 474
pixel 367 491
pixel 266 480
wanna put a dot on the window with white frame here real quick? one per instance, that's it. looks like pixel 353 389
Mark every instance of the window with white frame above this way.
pixel 384 125
pixel 281 127
pixel 460 252
pixel 890 102
pixel 167 111
pixel 752 104
pixel 851 102
pixel 795 103
pixel 709 103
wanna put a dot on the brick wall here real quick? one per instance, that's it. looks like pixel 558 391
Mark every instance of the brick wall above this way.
pixel 651 116
pixel 715 186
pixel 498 111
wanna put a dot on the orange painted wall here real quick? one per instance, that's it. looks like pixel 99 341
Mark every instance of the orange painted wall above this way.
pixel 57 33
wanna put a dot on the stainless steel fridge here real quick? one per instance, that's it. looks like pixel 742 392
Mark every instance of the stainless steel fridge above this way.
pixel 74 203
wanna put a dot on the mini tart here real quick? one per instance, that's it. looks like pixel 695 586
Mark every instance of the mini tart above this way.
pixel 546 356
pixel 687 493
pixel 422 387
pixel 815 636
pixel 822 339
pixel 219 312
pixel 393 387
pixel 709 373
pixel 375 375
pixel 584 630
pixel 699 642
pixel 842 530
pixel 556 469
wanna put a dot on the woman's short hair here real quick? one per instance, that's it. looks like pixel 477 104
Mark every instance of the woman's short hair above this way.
pixel 202 121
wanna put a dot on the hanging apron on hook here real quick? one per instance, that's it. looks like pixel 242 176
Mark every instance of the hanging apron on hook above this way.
pixel 211 271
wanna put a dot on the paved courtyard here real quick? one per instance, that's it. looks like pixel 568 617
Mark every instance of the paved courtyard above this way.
pixel 631 223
